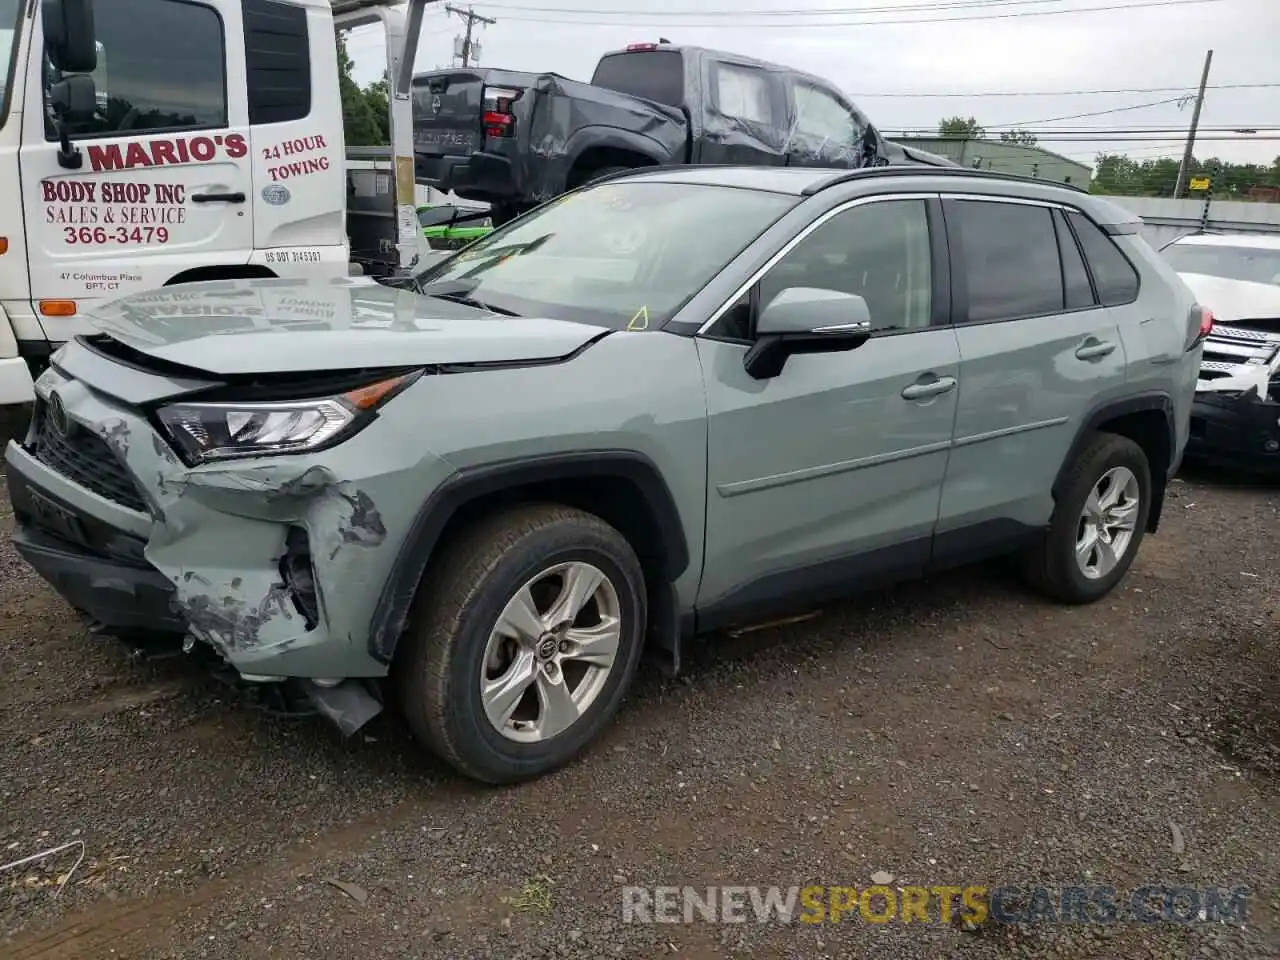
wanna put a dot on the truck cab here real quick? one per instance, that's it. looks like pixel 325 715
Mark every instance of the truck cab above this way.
pixel 147 143
pixel 515 139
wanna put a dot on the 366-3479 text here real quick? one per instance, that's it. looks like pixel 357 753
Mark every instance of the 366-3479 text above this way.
pixel 104 235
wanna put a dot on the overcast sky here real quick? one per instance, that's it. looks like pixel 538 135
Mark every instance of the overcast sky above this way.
pixel 1017 47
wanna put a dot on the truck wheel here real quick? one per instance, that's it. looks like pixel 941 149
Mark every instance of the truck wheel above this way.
pixel 523 642
pixel 1097 525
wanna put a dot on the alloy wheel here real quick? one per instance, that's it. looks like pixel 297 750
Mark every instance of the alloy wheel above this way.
pixel 1107 523
pixel 551 652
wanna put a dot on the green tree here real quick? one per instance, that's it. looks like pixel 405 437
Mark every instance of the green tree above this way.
pixel 379 99
pixel 359 123
pixel 961 128
pixel 1120 175
pixel 1024 137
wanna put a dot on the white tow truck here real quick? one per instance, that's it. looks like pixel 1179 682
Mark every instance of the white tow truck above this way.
pixel 145 143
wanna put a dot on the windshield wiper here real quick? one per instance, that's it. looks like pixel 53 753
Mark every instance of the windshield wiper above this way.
pixel 473 302
pixel 456 291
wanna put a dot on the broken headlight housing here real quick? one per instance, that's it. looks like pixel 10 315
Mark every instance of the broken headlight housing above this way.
pixel 208 430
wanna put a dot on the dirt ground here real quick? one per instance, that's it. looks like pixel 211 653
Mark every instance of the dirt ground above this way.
pixel 954 732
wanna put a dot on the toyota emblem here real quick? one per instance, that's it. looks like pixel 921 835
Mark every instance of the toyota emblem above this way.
pixel 58 415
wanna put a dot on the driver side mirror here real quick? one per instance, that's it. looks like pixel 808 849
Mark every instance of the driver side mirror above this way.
pixel 74 98
pixel 806 320
pixel 69 36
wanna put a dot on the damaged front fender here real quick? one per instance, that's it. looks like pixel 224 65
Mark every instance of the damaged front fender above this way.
pixel 271 560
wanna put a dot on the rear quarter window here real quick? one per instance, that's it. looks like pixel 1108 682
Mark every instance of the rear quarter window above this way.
pixel 656 75
pixel 1113 275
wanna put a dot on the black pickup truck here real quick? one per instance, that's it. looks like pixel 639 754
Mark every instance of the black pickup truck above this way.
pixel 515 140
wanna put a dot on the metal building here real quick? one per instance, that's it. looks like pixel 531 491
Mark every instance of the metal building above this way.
pixel 1002 157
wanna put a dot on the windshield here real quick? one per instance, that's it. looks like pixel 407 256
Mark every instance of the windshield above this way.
pixel 8 40
pixel 1256 264
pixel 621 255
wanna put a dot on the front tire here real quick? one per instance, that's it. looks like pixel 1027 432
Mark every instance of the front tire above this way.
pixel 1098 523
pixel 523 643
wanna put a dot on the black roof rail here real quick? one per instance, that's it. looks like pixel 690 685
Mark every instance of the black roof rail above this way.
pixel 847 176
pixel 926 170
pixel 663 167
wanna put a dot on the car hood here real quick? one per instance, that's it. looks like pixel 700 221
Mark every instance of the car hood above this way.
pixel 288 326
pixel 1234 300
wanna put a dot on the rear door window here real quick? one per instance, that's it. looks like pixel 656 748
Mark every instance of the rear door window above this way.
pixel 1011 263
pixel 1113 274
pixel 743 93
pixel 656 75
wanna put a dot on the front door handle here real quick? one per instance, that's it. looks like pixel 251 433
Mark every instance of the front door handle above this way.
pixel 929 388
pixel 217 198
pixel 1094 349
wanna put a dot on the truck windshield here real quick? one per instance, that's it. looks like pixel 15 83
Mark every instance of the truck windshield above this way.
pixel 8 42
pixel 1257 264
pixel 620 255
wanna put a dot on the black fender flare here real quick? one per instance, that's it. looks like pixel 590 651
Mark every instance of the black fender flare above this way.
pixel 586 138
pixel 466 485
pixel 1156 401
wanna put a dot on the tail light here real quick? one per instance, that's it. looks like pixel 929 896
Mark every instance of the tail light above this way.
pixel 1199 325
pixel 498 118
pixel 1206 321
pixel 637 47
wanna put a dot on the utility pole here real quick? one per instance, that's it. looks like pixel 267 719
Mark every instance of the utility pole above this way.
pixel 1185 169
pixel 471 18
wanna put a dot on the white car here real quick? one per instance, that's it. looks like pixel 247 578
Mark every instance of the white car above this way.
pixel 1236 417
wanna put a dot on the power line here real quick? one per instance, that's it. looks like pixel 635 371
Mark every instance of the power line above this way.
pixel 1101 138
pixel 726 25
pixel 1180 132
pixel 927 7
pixel 1097 113
pixel 1069 93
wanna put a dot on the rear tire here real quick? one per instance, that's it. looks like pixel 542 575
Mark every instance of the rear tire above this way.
pixel 1097 525
pixel 542 560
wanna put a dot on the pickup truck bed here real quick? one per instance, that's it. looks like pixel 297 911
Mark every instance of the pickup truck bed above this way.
pixel 557 120
pixel 515 139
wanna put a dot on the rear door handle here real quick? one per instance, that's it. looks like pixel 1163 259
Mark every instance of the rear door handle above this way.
pixel 1094 350
pixel 217 198
pixel 930 388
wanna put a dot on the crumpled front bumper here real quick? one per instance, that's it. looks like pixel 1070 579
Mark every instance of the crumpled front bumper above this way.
pixel 276 563
pixel 1235 431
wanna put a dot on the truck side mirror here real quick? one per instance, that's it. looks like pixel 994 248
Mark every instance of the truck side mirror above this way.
pixel 73 99
pixel 68 35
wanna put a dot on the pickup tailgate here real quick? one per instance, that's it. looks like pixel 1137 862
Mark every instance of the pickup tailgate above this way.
pixel 447 107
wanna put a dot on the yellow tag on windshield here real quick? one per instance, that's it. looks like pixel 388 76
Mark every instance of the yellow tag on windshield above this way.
pixel 640 321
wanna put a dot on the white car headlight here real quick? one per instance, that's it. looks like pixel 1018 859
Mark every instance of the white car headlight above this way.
pixel 204 431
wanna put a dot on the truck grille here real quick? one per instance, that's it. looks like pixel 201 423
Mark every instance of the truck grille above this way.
pixel 85 459
pixel 1239 358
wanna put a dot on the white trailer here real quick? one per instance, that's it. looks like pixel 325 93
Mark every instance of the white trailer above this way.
pixel 145 143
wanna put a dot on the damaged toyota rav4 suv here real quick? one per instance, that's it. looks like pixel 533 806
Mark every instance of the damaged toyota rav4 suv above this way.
pixel 664 404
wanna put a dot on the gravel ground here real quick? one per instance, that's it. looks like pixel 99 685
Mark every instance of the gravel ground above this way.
pixel 954 732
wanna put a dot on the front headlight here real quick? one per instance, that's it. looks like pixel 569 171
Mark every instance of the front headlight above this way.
pixel 220 431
